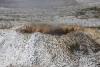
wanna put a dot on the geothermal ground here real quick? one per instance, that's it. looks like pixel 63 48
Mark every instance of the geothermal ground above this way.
pixel 79 48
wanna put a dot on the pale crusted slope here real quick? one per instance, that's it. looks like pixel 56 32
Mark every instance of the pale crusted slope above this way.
pixel 75 49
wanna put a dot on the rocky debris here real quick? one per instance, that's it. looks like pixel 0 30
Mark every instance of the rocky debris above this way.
pixel 75 49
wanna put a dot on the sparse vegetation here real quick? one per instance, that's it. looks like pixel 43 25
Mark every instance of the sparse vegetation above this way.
pixel 90 12
pixel 46 28
pixel 74 47
pixel 97 27
pixel 4 25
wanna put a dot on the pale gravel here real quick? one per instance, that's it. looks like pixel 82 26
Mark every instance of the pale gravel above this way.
pixel 42 50
pixel 45 50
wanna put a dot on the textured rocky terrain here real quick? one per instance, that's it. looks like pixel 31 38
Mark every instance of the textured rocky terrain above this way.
pixel 75 49
pixel 79 48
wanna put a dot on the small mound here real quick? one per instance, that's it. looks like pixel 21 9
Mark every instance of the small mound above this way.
pixel 44 50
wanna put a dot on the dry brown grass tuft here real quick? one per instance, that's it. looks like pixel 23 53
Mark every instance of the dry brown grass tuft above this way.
pixel 59 29
pixel 48 28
